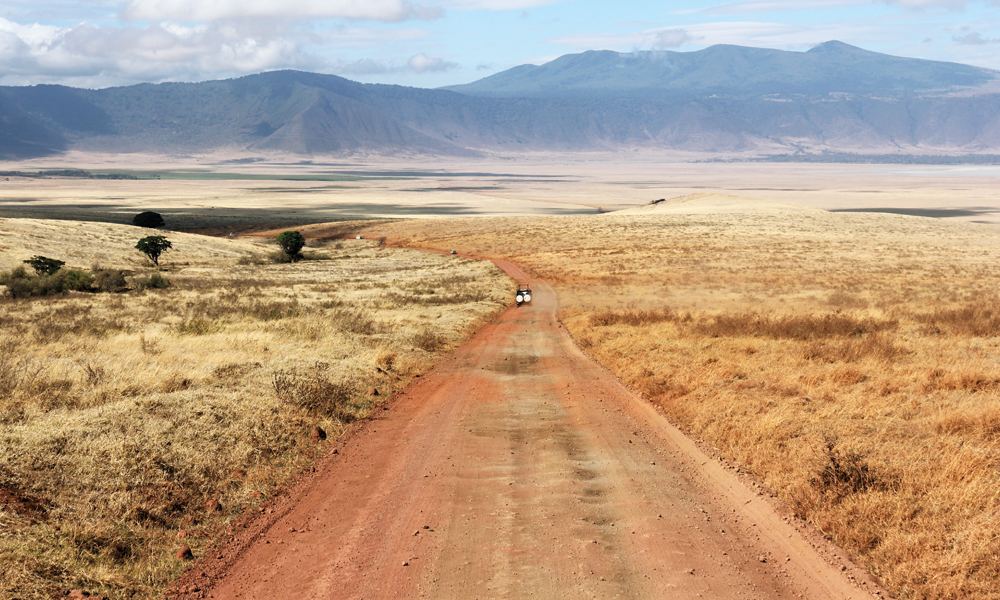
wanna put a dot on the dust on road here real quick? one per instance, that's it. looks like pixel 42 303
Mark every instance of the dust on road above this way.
pixel 520 468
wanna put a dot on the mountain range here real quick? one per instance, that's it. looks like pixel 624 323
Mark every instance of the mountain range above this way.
pixel 723 99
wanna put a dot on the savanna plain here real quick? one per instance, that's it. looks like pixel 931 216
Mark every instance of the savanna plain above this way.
pixel 846 360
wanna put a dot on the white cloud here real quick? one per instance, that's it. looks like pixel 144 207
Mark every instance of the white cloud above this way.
pixel 364 37
pixel 670 38
pixel 210 10
pixel 495 4
pixel 421 63
pixel 108 55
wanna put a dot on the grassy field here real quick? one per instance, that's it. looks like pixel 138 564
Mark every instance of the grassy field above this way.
pixel 849 361
pixel 134 423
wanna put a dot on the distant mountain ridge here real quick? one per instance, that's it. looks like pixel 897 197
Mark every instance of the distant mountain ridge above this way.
pixel 724 99
pixel 831 67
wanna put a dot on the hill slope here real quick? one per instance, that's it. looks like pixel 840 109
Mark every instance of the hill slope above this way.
pixel 721 99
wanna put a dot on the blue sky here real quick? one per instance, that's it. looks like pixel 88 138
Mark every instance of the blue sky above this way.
pixel 430 43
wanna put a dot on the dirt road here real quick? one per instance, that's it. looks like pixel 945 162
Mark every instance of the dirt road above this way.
pixel 520 468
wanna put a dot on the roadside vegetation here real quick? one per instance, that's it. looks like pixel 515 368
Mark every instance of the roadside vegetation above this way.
pixel 848 361
pixel 135 423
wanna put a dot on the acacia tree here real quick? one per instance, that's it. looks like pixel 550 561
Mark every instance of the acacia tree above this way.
pixel 291 243
pixel 153 246
pixel 43 265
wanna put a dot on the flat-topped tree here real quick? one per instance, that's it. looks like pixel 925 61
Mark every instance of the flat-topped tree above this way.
pixel 43 265
pixel 148 219
pixel 153 246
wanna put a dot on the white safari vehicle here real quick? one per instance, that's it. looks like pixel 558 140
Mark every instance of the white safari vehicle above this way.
pixel 523 293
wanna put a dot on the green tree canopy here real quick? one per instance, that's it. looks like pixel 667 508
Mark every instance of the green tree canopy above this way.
pixel 153 246
pixel 148 219
pixel 43 265
pixel 291 242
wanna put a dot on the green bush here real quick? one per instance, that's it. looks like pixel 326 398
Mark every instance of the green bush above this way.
pixel 13 275
pixel 64 280
pixel 75 281
pixel 291 243
pixel 153 281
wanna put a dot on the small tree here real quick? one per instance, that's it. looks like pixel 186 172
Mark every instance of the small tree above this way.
pixel 291 243
pixel 153 246
pixel 148 219
pixel 43 265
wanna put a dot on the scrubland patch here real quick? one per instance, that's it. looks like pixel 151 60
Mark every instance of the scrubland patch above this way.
pixel 137 422
pixel 849 361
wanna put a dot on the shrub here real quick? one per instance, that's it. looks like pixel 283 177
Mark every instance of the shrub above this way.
pixel 429 341
pixel 252 259
pixel 153 281
pixel 148 219
pixel 279 257
pixel 848 473
pixel 75 281
pixel 43 265
pixel 13 275
pixel 291 243
pixel 197 327
pixel 65 280
pixel 315 391
pixel 109 280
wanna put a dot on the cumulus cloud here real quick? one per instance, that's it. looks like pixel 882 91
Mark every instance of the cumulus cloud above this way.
pixel 106 55
pixel 202 10
pixel 670 38
pixel 421 63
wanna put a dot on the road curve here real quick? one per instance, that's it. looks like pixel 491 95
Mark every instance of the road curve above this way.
pixel 517 468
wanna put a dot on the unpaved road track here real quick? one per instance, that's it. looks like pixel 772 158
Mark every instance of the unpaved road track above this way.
pixel 520 468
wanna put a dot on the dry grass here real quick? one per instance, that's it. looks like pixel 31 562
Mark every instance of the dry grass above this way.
pixel 849 361
pixel 129 419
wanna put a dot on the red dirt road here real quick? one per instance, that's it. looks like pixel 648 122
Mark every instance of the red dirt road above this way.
pixel 520 468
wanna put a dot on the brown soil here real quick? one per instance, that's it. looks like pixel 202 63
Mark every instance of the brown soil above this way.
pixel 519 467
pixel 15 501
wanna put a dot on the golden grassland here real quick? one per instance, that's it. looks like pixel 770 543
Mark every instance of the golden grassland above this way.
pixel 851 362
pixel 134 423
